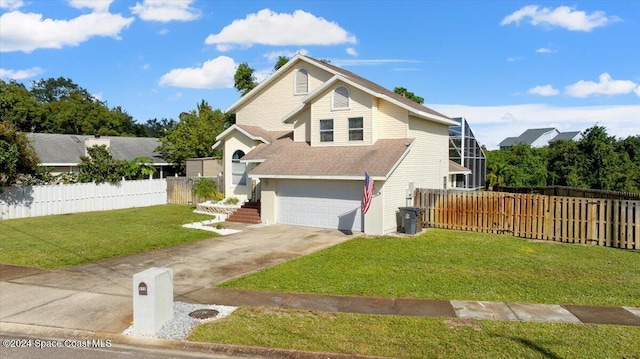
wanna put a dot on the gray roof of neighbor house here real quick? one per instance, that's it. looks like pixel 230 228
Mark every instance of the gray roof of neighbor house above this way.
pixel 529 136
pixel 509 141
pixel 285 158
pixel 67 149
pixel 566 135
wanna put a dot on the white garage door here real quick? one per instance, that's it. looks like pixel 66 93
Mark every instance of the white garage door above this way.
pixel 325 204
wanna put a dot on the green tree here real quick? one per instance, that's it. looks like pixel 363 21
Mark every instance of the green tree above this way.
pixel 244 79
pixel 408 94
pixel 99 166
pixel 564 161
pixel 19 107
pixel 18 158
pixel 193 135
pixel 602 166
pixel 282 60
pixel 158 128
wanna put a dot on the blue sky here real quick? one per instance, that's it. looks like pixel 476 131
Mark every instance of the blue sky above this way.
pixel 504 65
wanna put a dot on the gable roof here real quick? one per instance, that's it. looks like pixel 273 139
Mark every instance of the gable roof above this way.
pixel 531 135
pixel 456 168
pixel 566 136
pixel 284 158
pixel 253 132
pixel 509 141
pixel 354 80
pixel 58 149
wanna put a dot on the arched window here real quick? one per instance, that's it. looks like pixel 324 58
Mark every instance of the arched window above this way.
pixel 340 98
pixel 302 82
pixel 238 169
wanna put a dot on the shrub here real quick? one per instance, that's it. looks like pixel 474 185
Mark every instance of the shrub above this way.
pixel 232 200
pixel 205 188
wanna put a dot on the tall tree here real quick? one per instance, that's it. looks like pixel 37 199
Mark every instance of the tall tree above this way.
pixel 244 79
pixel 18 158
pixel 99 166
pixel 602 165
pixel 282 60
pixel 19 106
pixel 193 135
pixel 158 128
pixel 408 94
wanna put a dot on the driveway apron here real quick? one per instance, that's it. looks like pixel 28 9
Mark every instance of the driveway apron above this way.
pixel 98 296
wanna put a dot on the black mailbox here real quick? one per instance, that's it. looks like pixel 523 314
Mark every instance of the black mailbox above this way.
pixel 142 288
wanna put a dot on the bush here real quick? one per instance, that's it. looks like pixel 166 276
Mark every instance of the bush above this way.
pixel 232 200
pixel 204 189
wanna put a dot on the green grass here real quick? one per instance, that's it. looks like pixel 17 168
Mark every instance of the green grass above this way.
pixel 442 264
pixel 411 337
pixel 52 242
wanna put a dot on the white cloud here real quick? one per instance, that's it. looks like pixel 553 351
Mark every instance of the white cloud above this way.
pixel 145 67
pixel 262 74
pixel 269 28
pixel 98 96
pixel 492 124
pixel 544 50
pixel 546 90
pixel 606 86
pixel 351 51
pixel 273 55
pixel 637 91
pixel 163 32
pixel 562 16
pixel 28 31
pixel 11 4
pixel 95 5
pixel 514 59
pixel 216 73
pixel 20 74
pixel 166 10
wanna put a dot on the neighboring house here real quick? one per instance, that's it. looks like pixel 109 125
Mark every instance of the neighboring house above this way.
pixel 465 151
pixel 539 137
pixel 62 152
pixel 304 137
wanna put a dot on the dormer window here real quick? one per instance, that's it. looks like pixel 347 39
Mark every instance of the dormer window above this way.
pixel 340 98
pixel 302 82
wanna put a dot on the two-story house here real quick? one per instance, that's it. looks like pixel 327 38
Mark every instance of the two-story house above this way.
pixel 304 137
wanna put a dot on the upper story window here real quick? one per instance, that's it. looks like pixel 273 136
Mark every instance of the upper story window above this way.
pixel 356 129
pixel 340 98
pixel 302 82
pixel 238 169
pixel 326 130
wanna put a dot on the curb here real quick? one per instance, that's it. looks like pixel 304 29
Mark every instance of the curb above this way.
pixel 140 343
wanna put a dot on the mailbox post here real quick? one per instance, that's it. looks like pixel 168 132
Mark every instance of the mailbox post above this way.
pixel 152 299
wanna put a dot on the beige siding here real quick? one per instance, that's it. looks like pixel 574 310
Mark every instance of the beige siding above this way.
pixel 302 127
pixel 426 165
pixel 392 120
pixel 360 105
pixel 268 107
pixel 233 142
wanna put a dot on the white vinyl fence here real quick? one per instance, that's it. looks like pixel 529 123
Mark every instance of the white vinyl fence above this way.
pixel 33 201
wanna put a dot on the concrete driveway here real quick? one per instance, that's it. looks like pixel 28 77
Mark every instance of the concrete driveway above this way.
pixel 98 296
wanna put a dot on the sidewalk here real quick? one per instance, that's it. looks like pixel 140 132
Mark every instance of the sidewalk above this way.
pixel 422 307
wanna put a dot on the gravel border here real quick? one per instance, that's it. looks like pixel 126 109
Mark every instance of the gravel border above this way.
pixel 181 324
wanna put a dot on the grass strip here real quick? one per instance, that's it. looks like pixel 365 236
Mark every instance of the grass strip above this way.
pixel 413 337
pixel 444 264
pixel 51 242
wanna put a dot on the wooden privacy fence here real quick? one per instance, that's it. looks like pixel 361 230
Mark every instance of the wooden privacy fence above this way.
pixel 603 222
pixel 179 189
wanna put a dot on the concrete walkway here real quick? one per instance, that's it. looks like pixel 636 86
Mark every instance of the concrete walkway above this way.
pixel 97 297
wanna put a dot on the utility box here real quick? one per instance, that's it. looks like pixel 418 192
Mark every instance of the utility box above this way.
pixel 409 217
pixel 152 300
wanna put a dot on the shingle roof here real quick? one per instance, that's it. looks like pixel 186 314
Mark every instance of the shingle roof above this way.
pixel 531 135
pixel 509 141
pixel 284 157
pixel 566 136
pixel 57 148
pixel 270 136
pixel 457 168
pixel 376 88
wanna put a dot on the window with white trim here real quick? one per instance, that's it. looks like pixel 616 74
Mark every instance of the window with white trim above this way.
pixel 356 129
pixel 326 130
pixel 340 98
pixel 238 169
pixel 302 82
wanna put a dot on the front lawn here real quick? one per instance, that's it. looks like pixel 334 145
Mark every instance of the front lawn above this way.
pixel 52 242
pixel 444 264
pixel 412 337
